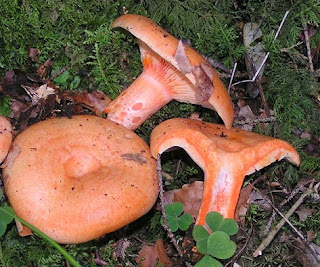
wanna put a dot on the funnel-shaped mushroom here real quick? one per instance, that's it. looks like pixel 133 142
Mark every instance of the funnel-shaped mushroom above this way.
pixel 226 157
pixel 77 179
pixel 171 71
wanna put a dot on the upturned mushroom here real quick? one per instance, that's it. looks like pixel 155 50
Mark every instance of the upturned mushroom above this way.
pixel 171 70
pixel 77 179
pixel 226 157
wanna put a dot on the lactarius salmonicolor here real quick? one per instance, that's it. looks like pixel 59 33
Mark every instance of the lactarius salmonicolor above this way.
pixel 77 179
pixel 5 137
pixel 171 70
pixel 226 157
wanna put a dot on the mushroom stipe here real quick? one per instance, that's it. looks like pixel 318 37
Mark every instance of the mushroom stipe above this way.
pixel 80 178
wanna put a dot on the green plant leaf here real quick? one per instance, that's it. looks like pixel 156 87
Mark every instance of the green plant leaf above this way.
pixel 75 82
pixel 185 221
pixel 214 220
pixel 201 235
pixel 173 223
pixel 220 246
pixel 3 228
pixel 62 78
pixel 208 261
pixel 174 209
pixel 229 226
pixel 5 218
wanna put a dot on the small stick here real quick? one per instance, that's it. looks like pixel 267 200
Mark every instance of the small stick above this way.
pixel 306 36
pixel 216 64
pixel 165 221
pixel 232 76
pixel 265 243
pixel 299 188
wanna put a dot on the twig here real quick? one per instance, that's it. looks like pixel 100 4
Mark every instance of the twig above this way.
pixel 254 121
pixel 306 37
pixel 232 76
pixel 300 187
pixel 267 55
pixel 216 64
pixel 165 221
pixel 265 243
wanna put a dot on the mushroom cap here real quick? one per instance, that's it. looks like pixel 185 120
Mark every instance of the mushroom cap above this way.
pixel 5 137
pixel 225 155
pixel 77 179
pixel 166 46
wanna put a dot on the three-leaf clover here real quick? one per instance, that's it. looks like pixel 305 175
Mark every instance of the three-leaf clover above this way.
pixel 175 219
pixel 215 243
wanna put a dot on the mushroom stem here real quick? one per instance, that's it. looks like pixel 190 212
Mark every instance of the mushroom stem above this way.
pixel 226 157
pixel 144 97
pixel 157 85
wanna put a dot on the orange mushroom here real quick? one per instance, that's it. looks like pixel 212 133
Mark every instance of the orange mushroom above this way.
pixel 226 157
pixel 5 137
pixel 77 179
pixel 171 71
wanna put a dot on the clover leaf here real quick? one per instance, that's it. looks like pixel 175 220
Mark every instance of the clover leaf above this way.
pixel 175 219
pixel 214 239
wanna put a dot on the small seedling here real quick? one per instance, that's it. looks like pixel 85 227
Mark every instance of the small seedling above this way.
pixel 175 219
pixel 216 242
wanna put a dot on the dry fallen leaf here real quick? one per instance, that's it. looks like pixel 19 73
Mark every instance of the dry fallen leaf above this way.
pixel 202 73
pixel 304 212
pixel 33 53
pixel 95 101
pixel 190 195
pixel 151 256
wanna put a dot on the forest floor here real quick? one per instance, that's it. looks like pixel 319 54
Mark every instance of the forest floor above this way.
pixel 61 58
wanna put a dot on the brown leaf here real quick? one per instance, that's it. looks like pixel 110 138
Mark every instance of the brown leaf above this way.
pixel 202 74
pixel 43 69
pixel 95 101
pixel 33 53
pixel 151 256
pixel 182 59
pixel 190 195
pixel 304 212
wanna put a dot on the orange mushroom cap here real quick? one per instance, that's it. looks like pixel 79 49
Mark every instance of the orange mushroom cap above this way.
pixel 171 71
pixel 5 137
pixel 77 179
pixel 226 157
